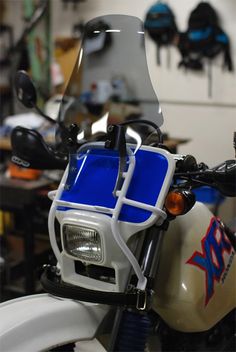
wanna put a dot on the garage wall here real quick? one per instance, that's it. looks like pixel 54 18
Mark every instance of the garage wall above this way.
pixel 188 111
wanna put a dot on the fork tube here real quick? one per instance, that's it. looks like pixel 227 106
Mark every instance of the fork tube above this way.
pixel 151 252
pixel 149 260
pixel 115 329
pixel 120 310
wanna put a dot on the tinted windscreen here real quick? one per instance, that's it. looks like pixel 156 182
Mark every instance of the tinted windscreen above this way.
pixel 110 82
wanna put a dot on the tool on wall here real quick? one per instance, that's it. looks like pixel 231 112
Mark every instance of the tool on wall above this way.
pixel 161 26
pixel 39 42
pixel 6 42
pixel 33 48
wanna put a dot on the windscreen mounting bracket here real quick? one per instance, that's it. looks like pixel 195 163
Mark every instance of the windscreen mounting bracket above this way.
pixel 116 141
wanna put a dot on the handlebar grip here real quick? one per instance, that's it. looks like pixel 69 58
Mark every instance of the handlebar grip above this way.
pixel 224 177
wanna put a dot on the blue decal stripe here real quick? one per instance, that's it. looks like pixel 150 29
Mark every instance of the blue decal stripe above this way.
pixel 211 260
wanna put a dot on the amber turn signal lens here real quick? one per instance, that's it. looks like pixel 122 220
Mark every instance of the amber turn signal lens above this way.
pixel 175 203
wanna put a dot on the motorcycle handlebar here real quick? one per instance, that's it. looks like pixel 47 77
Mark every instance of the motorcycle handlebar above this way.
pixel 222 176
pixel 30 150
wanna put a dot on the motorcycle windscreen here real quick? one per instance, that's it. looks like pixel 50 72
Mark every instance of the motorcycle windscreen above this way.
pixel 110 82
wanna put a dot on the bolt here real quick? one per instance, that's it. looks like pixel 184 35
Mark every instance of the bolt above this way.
pixel 70 141
pixel 72 127
pixel 110 128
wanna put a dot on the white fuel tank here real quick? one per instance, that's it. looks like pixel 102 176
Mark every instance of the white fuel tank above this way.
pixel 195 285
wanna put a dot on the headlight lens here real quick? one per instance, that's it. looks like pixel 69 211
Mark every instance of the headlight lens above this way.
pixel 82 243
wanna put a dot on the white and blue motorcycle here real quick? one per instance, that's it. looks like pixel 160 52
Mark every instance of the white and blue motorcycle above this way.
pixel 140 265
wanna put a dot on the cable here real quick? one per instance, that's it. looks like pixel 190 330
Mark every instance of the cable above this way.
pixel 146 122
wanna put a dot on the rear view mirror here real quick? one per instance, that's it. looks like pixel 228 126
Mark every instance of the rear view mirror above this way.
pixel 25 89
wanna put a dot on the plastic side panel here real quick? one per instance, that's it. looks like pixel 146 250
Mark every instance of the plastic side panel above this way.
pixel 193 297
pixel 35 323
pixel 94 180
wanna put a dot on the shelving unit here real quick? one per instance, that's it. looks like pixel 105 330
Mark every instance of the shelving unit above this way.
pixel 20 198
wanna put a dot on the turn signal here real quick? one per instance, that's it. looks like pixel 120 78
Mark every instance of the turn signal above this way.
pixel 179 202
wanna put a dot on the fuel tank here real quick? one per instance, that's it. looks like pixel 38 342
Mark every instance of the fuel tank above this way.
pixel 195 285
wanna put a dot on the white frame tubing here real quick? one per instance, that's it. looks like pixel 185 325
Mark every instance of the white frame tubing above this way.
pixel 52 215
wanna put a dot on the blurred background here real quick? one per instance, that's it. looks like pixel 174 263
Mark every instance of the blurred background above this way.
pixel 198 102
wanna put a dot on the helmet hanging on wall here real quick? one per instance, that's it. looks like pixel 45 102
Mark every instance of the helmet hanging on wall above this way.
pixel 160 25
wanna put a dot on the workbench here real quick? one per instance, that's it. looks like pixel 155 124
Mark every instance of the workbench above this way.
pixel 19 195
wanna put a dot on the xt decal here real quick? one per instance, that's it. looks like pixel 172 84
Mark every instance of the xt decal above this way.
pixel 211 259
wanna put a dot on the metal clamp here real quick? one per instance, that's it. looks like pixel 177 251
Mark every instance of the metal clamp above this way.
pixel 141 303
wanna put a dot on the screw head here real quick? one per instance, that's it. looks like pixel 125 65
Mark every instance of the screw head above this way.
pixel 110 128
pixel 70 141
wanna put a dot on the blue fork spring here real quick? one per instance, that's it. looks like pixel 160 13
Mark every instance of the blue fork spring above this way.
pixel 133 332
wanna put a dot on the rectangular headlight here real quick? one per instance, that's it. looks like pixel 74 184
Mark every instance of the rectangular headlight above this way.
pixel 82 243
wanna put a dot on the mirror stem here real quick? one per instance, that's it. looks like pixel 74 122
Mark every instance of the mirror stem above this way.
pixel 45 116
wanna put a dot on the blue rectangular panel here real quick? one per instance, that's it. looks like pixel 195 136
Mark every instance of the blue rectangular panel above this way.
pixel 92 180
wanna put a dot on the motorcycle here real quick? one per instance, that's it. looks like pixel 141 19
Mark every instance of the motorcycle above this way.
pixel 140 265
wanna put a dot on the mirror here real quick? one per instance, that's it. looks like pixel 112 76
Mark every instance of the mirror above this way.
pixel 25 89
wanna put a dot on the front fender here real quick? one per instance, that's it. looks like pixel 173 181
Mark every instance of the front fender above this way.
pixel 37 322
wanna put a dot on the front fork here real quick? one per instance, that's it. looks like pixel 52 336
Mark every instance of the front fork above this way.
pixel 132 326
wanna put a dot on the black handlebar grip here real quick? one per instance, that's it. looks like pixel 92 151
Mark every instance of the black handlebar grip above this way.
pixel 30 150
pixel 224 176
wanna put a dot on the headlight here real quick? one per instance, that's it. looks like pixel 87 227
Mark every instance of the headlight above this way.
pixel 82 243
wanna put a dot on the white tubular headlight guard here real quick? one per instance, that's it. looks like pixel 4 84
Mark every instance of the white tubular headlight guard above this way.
pixel 94 234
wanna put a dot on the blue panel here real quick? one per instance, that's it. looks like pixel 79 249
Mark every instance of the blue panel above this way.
pixel 92 181
pixel 208 195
